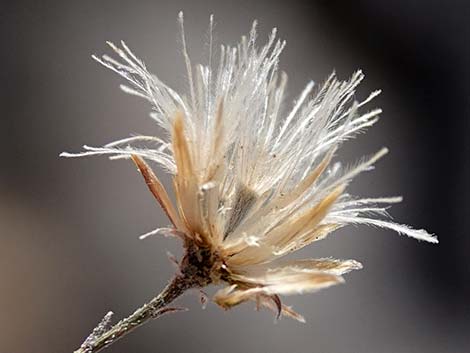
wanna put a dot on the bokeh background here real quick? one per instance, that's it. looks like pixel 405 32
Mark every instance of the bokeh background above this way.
pixel 68 228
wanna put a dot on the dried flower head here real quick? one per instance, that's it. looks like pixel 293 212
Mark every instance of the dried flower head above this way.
pixel 252 182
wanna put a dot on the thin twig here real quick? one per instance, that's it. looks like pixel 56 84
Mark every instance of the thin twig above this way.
pixel 99 340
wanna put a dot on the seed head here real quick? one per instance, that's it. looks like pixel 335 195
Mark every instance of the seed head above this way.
pixel 253 181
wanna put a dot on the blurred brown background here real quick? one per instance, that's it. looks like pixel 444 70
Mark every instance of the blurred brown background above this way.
pixel 68 228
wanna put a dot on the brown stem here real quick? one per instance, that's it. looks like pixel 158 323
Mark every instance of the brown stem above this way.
pixel 142 315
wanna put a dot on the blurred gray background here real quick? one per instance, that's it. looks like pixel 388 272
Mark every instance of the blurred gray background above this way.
pixel 68 228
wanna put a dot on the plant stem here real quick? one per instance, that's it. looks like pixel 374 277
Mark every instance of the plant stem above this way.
pixel 142 315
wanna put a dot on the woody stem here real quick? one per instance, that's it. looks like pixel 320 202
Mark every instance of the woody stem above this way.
pixel 148 311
